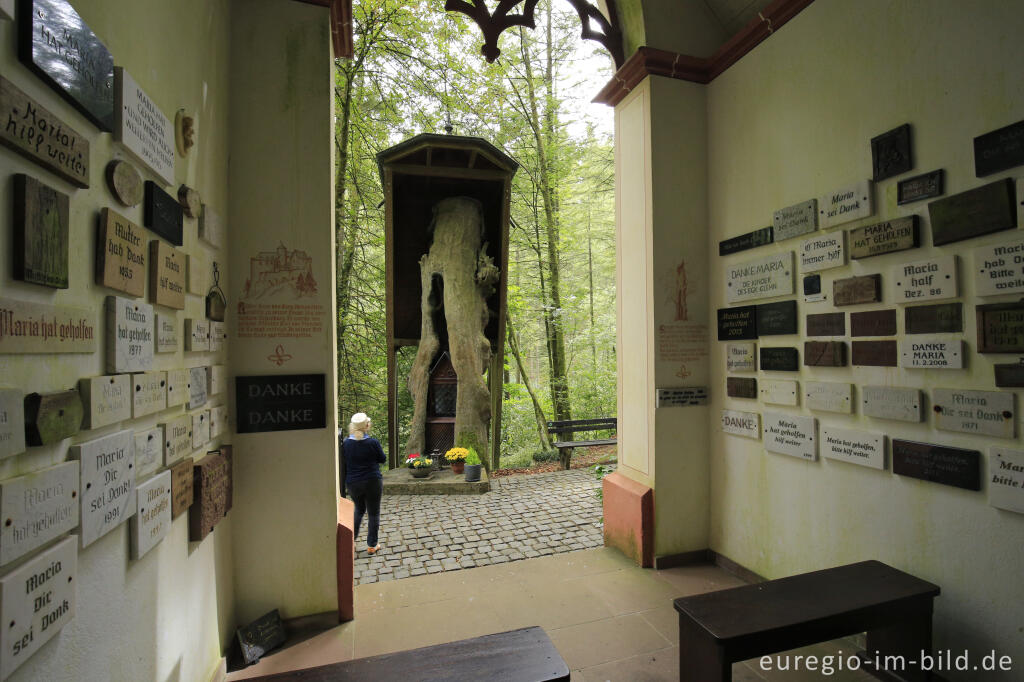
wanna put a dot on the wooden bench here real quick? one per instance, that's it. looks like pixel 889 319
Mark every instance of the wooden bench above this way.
pixel 572 426
pixel 525 655
pixel 720 628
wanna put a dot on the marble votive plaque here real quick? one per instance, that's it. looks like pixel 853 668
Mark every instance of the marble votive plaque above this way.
pixel 162 213
pixel 736 324
pixel 12 422
pixel 142 127
pixel 40 233
pixel 211 484
pixel 149 393
pixel 37 508
pixel 149 451
pixel 934 278
pixel 924 186
pixel 865 448
pixel 890 153
pixel 795 220
pixel 779 392
pixel 177 438
pixel 762 278
pixel 886 402
pixel 211 227
pixel 106 400
pixel 932 352
pixel 793 435
pixel 989 413
pixel 829 396
pixel 219 420
pixel 846 204
pixel 746 424
pixel 1000 327
pixel 130 327
pixel 750 240
pixel 999 150
pixel 107 484
pixel 779 359
pixel 216 379
pixel 152 520
pixel 218 335
pixel 776 318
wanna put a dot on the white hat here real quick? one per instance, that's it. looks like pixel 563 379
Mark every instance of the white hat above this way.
pixel 359 418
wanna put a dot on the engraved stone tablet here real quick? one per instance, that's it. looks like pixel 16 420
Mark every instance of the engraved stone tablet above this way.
pixel 921 280
pixel 52 417
pixel 197 335
pixel 776 318
pixel 200 429
pixel 989 413
pixel 107 485
pixel 739 387
pixel 177 387
pixel 938 464
pixel 166 333
pixel 874 353
pixel 854 290
pixel 130 326
pixel 40 233
pixel 211 228
pixel 216 379
pixel 919 187
pixel 12 422
pixel 33 131
pixel 999 150
pixel 742 423
pixel 120 256
pixel 211 482
pixel 41 328
pixel 792 435
pixel 890 153
pixel 750 240
pixel 197 391
pixel 825 353
pixel 196 266
pixel 686 396
pixel 177 439
pixel 761 278
pixel 106 400
pixel 737 323
pixel 932 352
pixel 190 201
pixel 37 599
pixel 826 324
pixel 898 234
pixel 162 213
pixel 795 220
pixel 1000 327
pixel 142 128
pixel 846 204
pixel 1006 479
pixel 149 393
pixel 823 252
pixel 280 402
pixel 149 451
pixel 152 520
pixel 741 357
pixel 999 268
pixel 884 402
pixel 1010 375
pixel 779 392
pixel 124 182
pixel 829 396
pixel 982 210
pixel 865 448
pixel 166 275
pixel 264 634
pixel 873 323
pixel 181 487
pixel 218 334
pixel 780 359
pixel 219 418
pixel 37 508
pixel 812 288
pixel 942 318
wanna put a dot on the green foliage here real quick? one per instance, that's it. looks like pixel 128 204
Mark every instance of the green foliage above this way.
pixel 545 456
pixel 600 471
pixel 468 440
pixel 472 457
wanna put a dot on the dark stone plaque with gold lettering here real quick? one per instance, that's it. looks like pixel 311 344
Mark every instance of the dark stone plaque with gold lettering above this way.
pixel 874 353
pixel 776 318
pixel 211 482
pixel 890 153
pixel 62 50
pixel 736 324
pixel 750 240
pixel 264 634
pixel 982 210
pixel 281 402
pixel 999 150
pixel 825 353
pixel 41 216
pixel 925 186
pixel 52 417
pixel 162 214
pixel 780 359
pixel 1000 327
pixel 1010 375
pixel 936 463
pixel 941 318
pixel 853 290
pixel 873 323
pixel 740 387
pixel 826 324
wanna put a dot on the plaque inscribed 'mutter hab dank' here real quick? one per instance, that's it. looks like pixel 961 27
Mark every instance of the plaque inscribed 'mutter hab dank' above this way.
pixel 762 278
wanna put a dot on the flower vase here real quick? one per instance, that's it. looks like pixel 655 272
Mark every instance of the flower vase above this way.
pixel 458 467
pixel 473 472
pixel 421 472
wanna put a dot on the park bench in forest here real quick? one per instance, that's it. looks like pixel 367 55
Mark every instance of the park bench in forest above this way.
pixel 572 426
pixel 894 608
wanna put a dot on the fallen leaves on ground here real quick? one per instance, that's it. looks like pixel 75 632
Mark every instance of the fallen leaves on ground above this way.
pixel 591 456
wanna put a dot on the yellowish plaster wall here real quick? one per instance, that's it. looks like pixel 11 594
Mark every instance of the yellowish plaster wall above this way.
pixel 791 121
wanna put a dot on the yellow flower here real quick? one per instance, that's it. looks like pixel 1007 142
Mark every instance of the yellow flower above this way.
pixel 456 454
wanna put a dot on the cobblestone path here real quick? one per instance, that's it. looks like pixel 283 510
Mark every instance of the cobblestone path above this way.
pixel 521 517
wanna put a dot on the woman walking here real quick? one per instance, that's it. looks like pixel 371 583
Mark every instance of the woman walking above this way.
pixel 363 457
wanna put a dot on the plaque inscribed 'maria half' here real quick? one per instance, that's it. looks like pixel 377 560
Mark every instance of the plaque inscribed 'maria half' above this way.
pixel 934 278
pixel 761 278
pixel 791 435
pixel 795 220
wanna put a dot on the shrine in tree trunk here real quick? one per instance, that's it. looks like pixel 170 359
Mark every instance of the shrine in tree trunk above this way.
pixel 446 201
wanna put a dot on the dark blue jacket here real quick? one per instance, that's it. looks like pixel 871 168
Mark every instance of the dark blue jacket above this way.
pixel 362 458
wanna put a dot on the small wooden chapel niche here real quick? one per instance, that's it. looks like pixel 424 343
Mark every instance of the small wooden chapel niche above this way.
pixel 441 406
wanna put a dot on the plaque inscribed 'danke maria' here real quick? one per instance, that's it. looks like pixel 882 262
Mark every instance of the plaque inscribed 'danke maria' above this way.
pixel 791 435
pixel 932 352
pixel 762 278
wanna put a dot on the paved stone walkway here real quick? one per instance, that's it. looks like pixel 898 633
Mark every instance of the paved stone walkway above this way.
pixel 521 517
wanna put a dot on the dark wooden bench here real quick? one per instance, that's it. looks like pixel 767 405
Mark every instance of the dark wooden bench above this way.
pixel 572 426
pixel 525 655
pixel 720 628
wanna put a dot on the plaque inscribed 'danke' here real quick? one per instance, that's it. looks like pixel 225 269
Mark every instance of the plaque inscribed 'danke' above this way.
pixel 846 204
pixel 746 424
pixel 762 278
pixel 795 220
pixel 41 216
pixel 791 435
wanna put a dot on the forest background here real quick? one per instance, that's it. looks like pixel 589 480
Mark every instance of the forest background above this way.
pixel 418 69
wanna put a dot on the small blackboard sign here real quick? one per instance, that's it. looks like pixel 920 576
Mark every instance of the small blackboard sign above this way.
pixel 162 213
pixel 750 240
pixel 284 402
pixel 780 359
pixel 936 463
pixel 261 636
pixel 735 324
pixel 776 318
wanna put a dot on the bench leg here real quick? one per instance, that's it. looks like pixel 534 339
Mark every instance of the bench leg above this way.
pixel 701 658
pixel 907 638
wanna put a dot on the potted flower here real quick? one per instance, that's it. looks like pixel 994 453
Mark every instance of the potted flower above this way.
pixel 421 466
pixel 457 456
pixel 473 465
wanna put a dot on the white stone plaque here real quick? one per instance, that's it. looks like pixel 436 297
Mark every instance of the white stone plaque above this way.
pixel 149 451
pixel 761 278
pixel 1006 481
pixel 166 333
pixel 742 423
pixel 932 352
pixel 37 508
pixel 885 402
pixel 177 439
pixel 197 393
pixel 149 393
pixel 849 203
pixel 830 396
pixel 12 422
pixel 106 400
pixel 924 280
pixel 196 278
pixel 141 127
pixel 200 428
pixel 107 484
pixel 792 435
pixel 216 379
pixel 218 334
pixel 823 252
pixel 989 413
pixel 741 357
pixel 780 391
pixel 218 420
pixel 857 447
pixel 999 268
pixel 130 326
pixel 211 227
pixel 37 599
pixel 795 220
pixel 177 387
pixel 152 521
pixel 197 335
